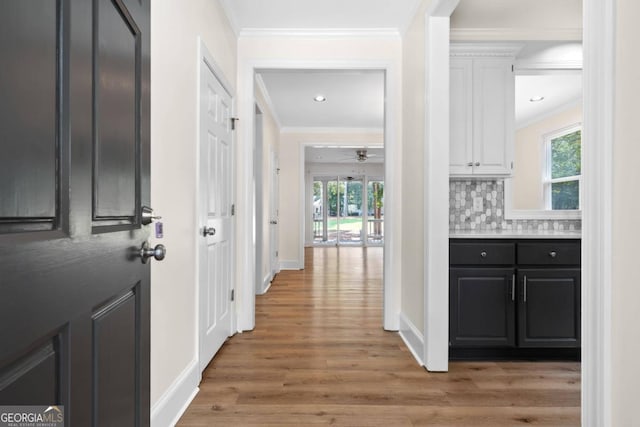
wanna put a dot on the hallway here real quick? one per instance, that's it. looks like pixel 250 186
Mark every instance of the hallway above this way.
pixel 319 356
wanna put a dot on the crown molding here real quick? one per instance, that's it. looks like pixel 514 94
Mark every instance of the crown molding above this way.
pixel 516 34
pixel 485 49
pixel 331 130
pixel 231 18
pixel 267 98
pixel 388 33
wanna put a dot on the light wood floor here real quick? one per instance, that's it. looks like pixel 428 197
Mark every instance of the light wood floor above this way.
pixel 319 356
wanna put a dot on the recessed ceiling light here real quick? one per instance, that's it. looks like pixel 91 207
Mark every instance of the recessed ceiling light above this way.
pixel 320 98
pixel 536 98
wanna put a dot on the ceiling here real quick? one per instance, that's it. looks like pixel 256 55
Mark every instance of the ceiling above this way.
pixel 354 99
pixel 319 15
pixel 560 91
pixel 344 154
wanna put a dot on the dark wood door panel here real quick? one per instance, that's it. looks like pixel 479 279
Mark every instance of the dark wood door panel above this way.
pixel 29 128
pixel 79 281
pixel 34 378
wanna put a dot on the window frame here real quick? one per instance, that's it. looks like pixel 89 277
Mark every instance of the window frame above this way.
pixel 547 181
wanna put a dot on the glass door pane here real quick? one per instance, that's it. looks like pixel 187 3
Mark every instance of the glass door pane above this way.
pixel 375 203
pixel 350 219
pixel 334 191
pixel 318 212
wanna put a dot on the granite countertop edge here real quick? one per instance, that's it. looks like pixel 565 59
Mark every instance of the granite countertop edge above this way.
pixel 515 234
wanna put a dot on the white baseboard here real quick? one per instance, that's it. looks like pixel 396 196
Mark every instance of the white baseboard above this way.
pixel 175 400
pixel 290 265
pixel 266 284
pixel 412 338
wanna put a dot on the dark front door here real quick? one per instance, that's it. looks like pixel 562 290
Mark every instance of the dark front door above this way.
pixel 74 174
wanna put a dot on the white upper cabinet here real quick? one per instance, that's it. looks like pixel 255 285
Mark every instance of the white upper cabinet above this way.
pixel 482 112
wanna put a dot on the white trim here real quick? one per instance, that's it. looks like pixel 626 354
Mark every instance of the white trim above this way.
pixel 266 284
pixel 231 17
pixel 510 213
pixel 267 98
pixel 412 337
pixel 598 140
pixel 330 130
pixel 490 50
pixel 387 33
pixel 291 265
pixel 246 282
pixel 436 187
pixel 539 34
pixel 176 399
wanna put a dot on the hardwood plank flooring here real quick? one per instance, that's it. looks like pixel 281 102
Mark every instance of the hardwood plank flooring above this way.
pixel 319 356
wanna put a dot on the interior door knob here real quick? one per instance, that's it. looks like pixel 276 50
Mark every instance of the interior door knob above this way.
pixel 146 252
pixel 208 231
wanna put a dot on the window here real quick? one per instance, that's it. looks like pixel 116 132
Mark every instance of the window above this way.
pixel 563 168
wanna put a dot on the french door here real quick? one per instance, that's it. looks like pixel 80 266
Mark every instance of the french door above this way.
pixel 347 211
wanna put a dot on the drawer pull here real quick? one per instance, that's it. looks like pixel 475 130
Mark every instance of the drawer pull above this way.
pixel 483 254
pixel 513 287
pixel 553 254
pixel 525 289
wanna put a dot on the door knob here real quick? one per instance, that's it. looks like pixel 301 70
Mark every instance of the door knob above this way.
pixel 273 222
pixel 208 231
pixel 146 252
pixel 147 216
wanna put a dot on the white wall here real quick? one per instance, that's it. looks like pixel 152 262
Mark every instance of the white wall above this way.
pixel 175 27
pixel 523 14
pixel 413 134
pixel 527 188
pixel 270 143
pixel 626 206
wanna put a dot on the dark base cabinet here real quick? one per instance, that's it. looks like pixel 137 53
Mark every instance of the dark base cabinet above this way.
pixel 549 307
pixel 511 299
pixel 481 309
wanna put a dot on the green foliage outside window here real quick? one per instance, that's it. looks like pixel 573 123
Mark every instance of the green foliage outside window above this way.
pixel 565 162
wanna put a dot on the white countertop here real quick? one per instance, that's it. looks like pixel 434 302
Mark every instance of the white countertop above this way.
pixel 515 234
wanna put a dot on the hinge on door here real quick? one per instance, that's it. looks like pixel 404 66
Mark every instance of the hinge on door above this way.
pixel 233 294
pixel 276 254
pixel 511 165
pixel 512 68
pixel 278 171
pixel 233 122
pixel 233 210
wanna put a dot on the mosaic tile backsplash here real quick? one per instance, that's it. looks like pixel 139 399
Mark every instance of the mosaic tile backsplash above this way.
pixel 462 216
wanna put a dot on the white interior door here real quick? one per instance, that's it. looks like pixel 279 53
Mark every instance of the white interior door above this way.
pixel 215 228
pixel 274 213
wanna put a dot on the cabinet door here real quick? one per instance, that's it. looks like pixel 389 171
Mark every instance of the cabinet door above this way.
pixel 549 307
pixel 493 116
pixel 461 109
pixel 482 307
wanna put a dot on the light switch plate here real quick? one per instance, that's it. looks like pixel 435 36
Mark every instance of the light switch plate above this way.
pixel 477 204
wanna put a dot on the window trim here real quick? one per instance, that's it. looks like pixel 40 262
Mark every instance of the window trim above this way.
pixel 547 181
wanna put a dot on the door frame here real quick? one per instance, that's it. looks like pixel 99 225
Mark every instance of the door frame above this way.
pixel 204 55
pixel 599 30
pixel 246 251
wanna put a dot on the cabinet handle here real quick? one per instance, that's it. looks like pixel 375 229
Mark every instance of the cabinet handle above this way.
pixel 553 254
pixel 525 288
pixel 477 164
pixel 470 164
pixel 483 254
pixel 513 287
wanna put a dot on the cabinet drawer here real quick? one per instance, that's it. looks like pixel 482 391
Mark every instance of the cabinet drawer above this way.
pixel 549 253
pixel 487 253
